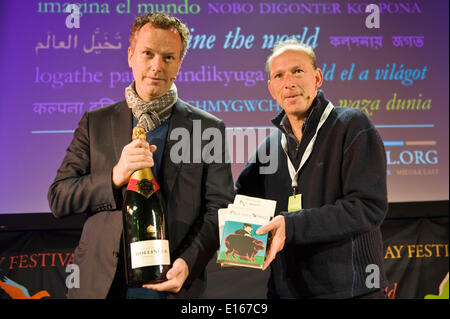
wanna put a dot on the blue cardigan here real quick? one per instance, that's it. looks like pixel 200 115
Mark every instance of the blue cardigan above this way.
pixel 333 239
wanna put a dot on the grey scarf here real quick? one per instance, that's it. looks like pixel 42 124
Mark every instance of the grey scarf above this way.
pixel 151 114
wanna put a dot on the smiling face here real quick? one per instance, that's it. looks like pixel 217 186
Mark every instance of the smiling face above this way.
pixel 294 82
pixel 155 59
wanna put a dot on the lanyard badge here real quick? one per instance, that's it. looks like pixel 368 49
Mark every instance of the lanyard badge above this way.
pixel 295 201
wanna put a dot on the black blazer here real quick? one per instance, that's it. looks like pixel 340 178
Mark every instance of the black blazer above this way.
pixel 193 192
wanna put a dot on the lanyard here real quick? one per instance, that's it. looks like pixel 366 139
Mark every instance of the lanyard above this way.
pixel 292 172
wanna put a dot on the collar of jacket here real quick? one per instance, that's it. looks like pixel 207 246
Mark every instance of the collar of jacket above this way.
pixel 317 108
pixel 122 123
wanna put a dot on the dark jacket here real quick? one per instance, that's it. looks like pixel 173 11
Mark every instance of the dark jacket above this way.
pixel 336 234
pixel 193 191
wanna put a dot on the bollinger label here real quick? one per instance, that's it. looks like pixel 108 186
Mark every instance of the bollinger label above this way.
pixel 145 187
pixel 149 253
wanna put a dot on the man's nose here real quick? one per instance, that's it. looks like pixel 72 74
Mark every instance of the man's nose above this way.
pixel 157 64
pixel 288 81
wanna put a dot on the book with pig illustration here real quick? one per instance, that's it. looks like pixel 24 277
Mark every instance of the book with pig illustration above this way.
pixel 241 246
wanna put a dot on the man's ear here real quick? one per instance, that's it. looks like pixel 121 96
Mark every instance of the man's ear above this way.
pixel 269 87
pixel 319 78
pixel 130 55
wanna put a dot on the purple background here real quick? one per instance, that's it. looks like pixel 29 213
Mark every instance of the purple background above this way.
pixel 30 155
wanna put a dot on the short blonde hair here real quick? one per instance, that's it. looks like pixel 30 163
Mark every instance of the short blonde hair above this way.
pixel 290 44
pixel 161 21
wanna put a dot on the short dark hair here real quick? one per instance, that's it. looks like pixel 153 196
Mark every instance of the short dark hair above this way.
pixel 161 21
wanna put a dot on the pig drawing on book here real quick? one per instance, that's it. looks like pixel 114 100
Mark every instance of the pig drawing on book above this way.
pixel 244 245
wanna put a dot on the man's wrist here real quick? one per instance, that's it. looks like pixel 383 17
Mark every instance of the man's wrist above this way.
pixel 116 182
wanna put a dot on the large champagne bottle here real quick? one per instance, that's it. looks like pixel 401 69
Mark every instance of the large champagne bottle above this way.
pixel 147 254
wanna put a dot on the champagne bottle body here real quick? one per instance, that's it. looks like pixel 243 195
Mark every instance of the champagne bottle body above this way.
pixel 145 231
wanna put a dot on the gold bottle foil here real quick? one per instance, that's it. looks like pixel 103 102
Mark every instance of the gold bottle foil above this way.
pixel 142 181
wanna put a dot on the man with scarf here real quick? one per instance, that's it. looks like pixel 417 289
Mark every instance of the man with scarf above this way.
pixel 100 160
pixel 330 187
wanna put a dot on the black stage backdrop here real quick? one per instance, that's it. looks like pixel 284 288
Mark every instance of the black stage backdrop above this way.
pixel 34 258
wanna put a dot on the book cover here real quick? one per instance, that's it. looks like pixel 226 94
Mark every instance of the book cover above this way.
pixel 241 246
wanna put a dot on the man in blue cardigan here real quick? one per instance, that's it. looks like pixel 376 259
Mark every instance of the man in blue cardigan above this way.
pixel 329 184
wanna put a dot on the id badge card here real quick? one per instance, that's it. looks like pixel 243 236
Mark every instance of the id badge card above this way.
pixel 295 203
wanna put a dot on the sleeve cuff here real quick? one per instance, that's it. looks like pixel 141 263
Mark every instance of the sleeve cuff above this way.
pixel 289 225
pixel 105 198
